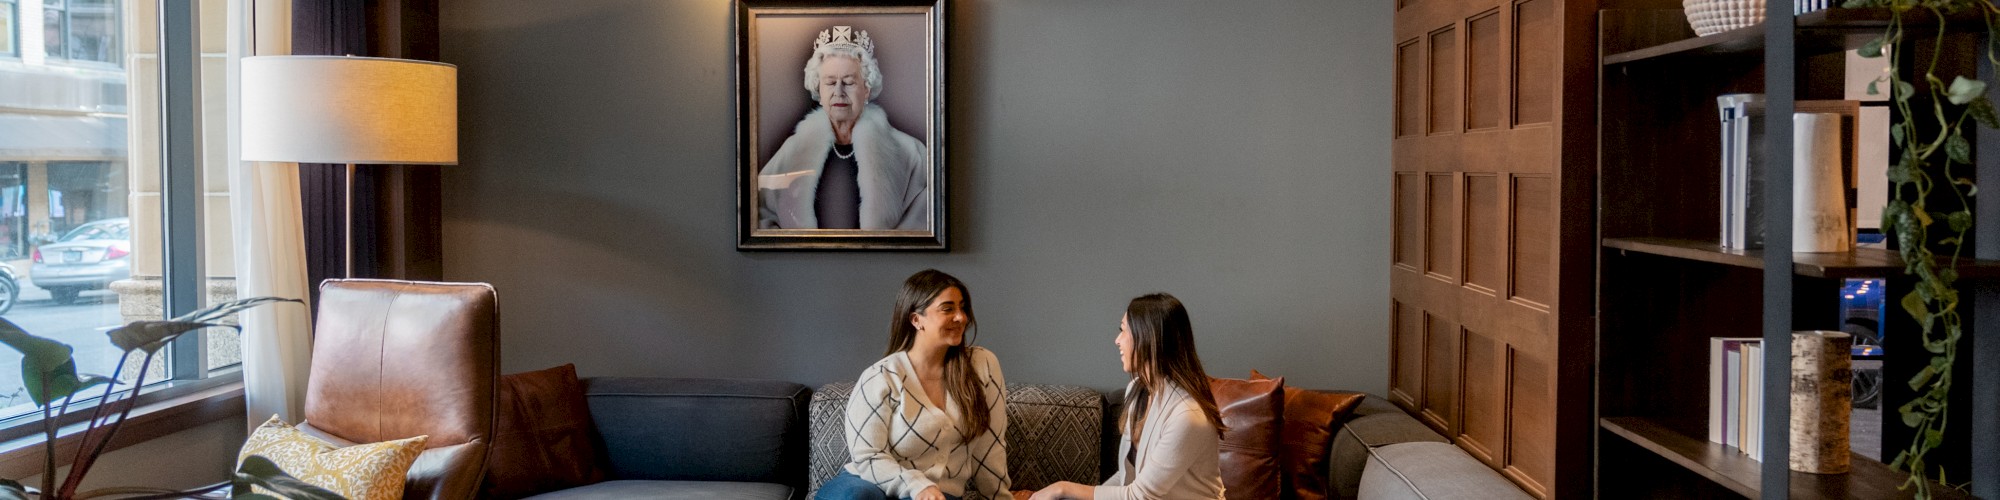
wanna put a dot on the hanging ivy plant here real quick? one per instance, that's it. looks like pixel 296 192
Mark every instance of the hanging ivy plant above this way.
pixel 1923 231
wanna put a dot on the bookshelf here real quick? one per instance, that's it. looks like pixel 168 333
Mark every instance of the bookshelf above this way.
pixel 1664 285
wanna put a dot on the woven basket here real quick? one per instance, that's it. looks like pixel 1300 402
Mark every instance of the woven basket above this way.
pixel 1709 17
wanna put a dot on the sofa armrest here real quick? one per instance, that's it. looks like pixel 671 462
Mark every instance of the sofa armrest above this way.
pixel 1377 422
pixel 701 429
pixel 1432 471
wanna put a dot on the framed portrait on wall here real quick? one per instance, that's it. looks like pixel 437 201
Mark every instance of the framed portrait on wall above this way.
pixel 840 125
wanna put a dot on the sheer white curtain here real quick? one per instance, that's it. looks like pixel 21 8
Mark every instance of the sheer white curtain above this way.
pixel 270 239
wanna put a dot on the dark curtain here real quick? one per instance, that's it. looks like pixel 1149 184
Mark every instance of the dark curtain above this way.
pixel 396 223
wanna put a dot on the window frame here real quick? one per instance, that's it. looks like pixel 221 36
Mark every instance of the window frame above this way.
pixel 12 8
pixel 69 48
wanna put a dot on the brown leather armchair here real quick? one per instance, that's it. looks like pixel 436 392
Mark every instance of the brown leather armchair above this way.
pixel 399 359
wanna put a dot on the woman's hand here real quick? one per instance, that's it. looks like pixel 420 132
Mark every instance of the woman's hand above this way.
pixel 930 493
pixel 1063 490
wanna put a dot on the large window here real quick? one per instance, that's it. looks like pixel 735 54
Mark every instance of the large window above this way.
pixel 81 190
pixel 9 9
pixel 81 30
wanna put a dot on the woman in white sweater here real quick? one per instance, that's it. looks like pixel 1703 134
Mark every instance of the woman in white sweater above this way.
pixel 1172 429
pixel 929 421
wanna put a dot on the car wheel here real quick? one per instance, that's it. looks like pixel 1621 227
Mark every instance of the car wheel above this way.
pixel 9 292
pixel 64 296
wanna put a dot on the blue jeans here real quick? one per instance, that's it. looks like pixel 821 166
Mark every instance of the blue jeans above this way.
pixel 848 486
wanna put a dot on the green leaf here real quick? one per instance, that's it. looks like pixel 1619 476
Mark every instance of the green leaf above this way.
pixel 12 490
pixel 1912 419
pixel 223 310
pixel 1871 88
pixel 1913 303
pixel 1960 221
pixel 1918 381
pixel 1964 90
pixel 1933 438
pixel 1896 137
pixel 261 472
pixel 35 350
pixel 1904 90
pixel 56 383
pixel 150 336
pixel 47 369
pixel 1923 216
pixel 1982 110
pixel 1897 465
pixel 1958 149
pixel 1872 49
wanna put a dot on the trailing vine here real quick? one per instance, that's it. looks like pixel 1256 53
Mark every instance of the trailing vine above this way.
pixel 1914 177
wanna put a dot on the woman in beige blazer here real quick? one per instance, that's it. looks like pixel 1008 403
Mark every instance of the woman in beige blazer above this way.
pixel 1172 429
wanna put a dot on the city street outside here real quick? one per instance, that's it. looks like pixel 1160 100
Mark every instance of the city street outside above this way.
pixel 82 325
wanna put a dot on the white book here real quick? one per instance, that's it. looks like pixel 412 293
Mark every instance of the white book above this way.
pixel 1719 387
pixel 1753 431
pixel 1732 417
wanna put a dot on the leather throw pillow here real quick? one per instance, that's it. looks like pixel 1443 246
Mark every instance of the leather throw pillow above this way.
pixel 542 437
pixel 1254 411
pixel 1310 420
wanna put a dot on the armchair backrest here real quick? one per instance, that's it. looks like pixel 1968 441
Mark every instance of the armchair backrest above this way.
pixel 398 359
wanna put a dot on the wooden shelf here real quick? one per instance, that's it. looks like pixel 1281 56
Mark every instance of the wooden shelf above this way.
pixel 1819 32
pixel 1859 263
pixel 1737 472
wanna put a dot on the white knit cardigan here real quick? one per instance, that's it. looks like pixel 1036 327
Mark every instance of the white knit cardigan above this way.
pixel 903 442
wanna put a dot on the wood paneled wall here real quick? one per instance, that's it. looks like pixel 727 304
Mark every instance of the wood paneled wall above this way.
pixel 1491 283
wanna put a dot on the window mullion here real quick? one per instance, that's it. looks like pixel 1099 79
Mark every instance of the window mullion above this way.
pixel 181 169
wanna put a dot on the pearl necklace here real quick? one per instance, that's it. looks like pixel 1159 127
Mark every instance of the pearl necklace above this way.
pixel 836 152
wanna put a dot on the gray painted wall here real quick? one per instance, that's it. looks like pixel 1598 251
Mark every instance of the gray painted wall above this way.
pixel 1232 153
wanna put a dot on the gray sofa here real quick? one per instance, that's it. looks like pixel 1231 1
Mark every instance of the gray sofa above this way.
pixel 771 440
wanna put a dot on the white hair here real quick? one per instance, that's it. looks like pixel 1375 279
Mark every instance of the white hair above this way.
pixel 870 72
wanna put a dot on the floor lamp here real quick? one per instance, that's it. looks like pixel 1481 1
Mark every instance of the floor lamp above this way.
pixel 349 110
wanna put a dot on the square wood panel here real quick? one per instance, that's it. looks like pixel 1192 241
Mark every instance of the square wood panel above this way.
pixel 1535 55
pixel 1485 72
pixel 1444 82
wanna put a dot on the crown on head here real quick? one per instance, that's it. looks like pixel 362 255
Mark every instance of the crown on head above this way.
pixel 845 35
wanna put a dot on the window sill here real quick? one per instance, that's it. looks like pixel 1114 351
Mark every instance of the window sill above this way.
pixel 22 457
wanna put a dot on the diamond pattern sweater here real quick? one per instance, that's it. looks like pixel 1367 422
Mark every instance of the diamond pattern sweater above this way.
pixel 901 441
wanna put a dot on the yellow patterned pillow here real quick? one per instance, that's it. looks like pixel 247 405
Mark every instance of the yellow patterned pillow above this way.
pixel 360 472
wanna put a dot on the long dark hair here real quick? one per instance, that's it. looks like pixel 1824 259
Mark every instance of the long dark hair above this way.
pixel 1163 353
pixel 959 374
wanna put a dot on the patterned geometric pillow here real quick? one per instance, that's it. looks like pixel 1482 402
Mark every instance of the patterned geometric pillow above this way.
pixel 361 472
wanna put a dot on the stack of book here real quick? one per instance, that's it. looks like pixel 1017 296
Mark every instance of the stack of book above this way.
pixel 1736 393
pixel 1804 6
pixel 1742 170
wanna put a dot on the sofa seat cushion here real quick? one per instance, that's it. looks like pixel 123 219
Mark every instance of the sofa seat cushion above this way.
pixel 704 490
pixel 1432 471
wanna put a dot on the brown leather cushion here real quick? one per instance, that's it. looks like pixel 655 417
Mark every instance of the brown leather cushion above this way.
pixel 1254 412
pixel 543 441
pixel 1310 420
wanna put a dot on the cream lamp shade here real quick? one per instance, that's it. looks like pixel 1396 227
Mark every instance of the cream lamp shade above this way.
pixel 343 109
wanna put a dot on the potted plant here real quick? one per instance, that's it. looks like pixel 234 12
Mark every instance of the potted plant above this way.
pixel 49 373
pixel 1929 211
